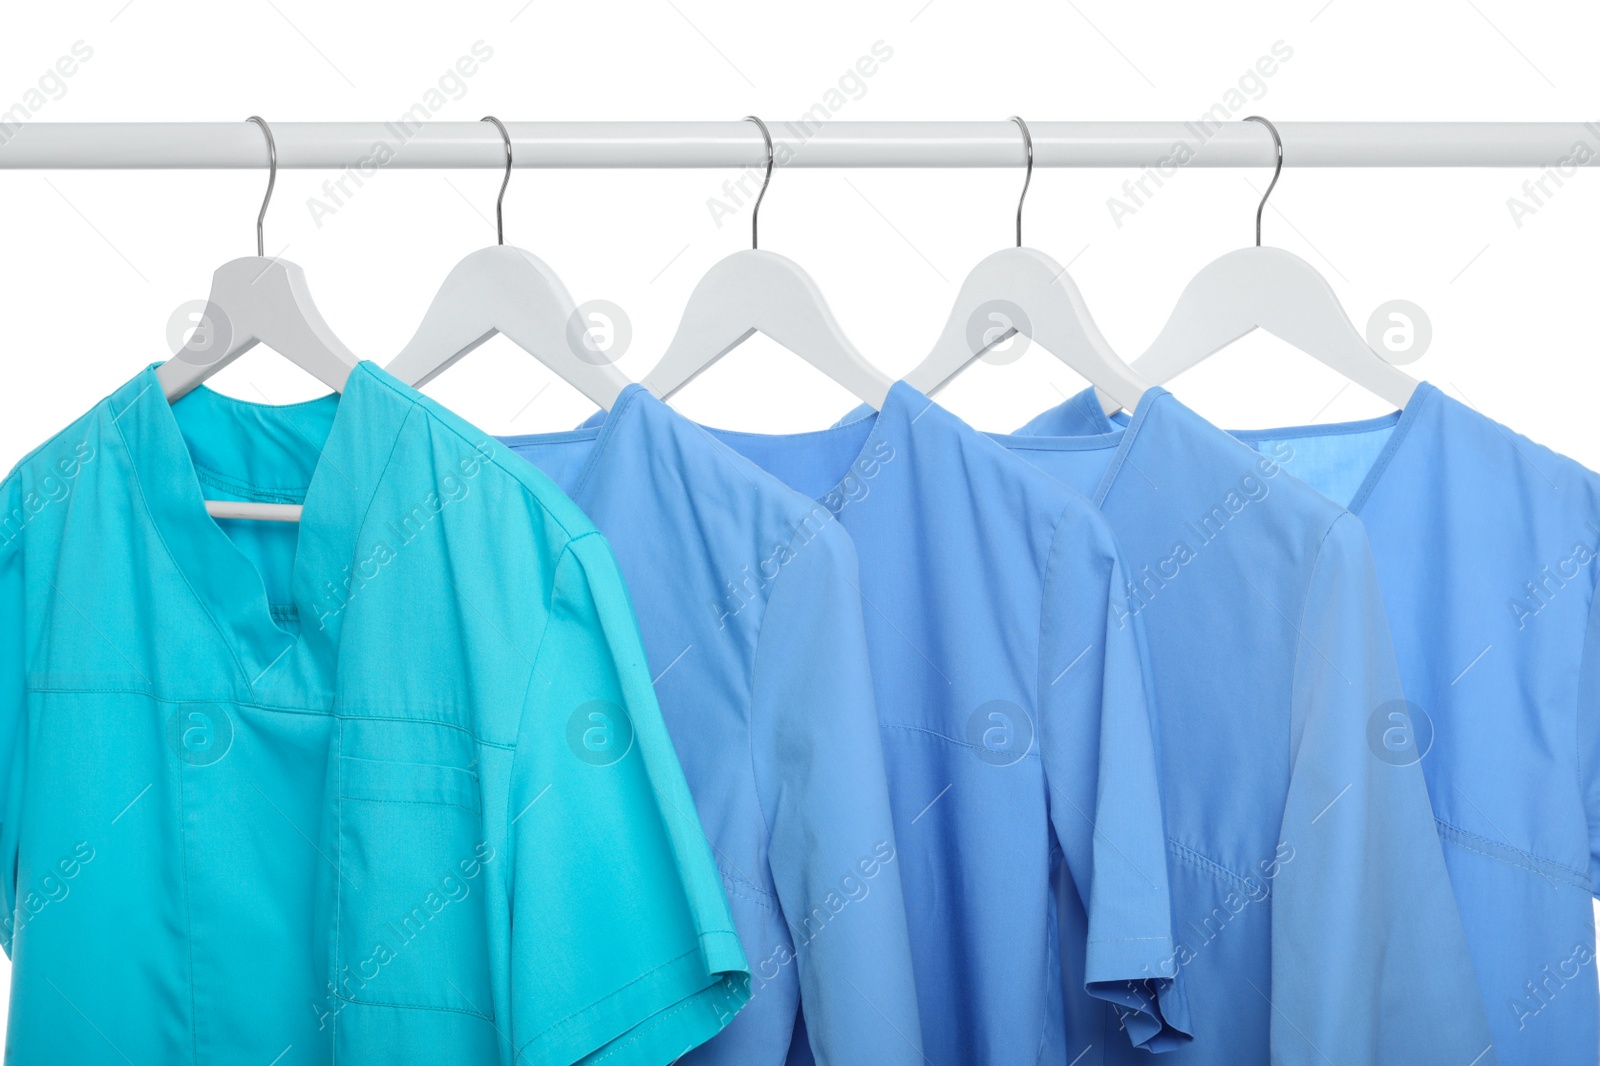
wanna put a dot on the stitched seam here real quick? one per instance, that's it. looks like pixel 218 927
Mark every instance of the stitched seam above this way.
pixel 1200 861
pixel 1130 432
pixel 733 877
pixel 603 442
pixel 493 460
pixel 1046 579
pixel 1032 752
pixel 1397 436
pixel 553 1026
pixel 410 803
pixel 161 538
pixel 1300 639
pixel 1577 716
pixel 522 719
pixel 1047 582
pixel 1502 853
pixel 738 878
pixel 228 483
pixel 640 1032
pixel 412 1006
pixel 188 916
pixel 355 544
pixel 755 679
pixel 269 408
pixel 338 883
pixel 314 711
pixel 735 893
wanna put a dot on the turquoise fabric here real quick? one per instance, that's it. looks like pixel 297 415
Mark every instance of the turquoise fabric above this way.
pixel 387 786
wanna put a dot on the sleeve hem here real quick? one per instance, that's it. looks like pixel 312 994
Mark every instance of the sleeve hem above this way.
pixel 1153 1009
pixel 681 1003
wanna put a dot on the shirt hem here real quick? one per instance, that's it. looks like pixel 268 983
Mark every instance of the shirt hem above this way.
pixel 669 1003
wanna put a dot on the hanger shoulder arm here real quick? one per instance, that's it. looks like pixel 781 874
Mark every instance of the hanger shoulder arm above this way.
pixel 757 291
pixel 502 289
pixel 1209 316
pixel 1024 290
pixel 256 300
pixel 1277 291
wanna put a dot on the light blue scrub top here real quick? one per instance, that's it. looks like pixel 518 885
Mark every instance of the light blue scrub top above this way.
pixel 1314 916
pixel 385 786
pixel 747 602
pixel 1485 545
pixel 1015 729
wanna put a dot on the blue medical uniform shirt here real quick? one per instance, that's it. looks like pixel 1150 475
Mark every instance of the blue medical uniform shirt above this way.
pixel 1314 914
pixel 1012 704
pixel 388 785
pixel 747 603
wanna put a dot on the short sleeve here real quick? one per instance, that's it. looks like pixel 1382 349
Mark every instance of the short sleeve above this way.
pixel 12 689
pixel 1098 747
pixel 622 946
pixel 819 767
pixel 1369 957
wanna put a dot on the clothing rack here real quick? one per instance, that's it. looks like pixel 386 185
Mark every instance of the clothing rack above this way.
pixel 806 142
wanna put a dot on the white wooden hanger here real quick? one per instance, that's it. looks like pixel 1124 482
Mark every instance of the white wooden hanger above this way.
pixel 753 291
pixel 511 292
pixel 1274 290
pixel 258 300
pixel 1052 313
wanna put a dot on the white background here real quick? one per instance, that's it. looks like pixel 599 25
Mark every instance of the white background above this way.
pixel 95 263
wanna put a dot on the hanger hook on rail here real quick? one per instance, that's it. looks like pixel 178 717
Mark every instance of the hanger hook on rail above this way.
pixel 1277 143
pixel 500 201
pixel 755 212
pixel 272 179
pixel 1027 142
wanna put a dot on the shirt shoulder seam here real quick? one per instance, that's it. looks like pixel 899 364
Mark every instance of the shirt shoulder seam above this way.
pixel 415 403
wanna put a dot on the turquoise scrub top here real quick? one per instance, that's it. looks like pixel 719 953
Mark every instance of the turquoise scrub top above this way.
pixel 746 593
pixel 386 786
pixel 1314 916
pixel 1485 546
pixel 1016 734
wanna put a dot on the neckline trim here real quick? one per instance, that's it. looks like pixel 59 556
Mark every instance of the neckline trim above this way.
pixel 602 436
pixel 1111 435
pixel 227 586
pixel 896 401
pixel 1400 422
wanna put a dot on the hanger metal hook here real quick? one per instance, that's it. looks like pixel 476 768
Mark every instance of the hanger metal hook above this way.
pixel 272 179
pixel 755 212
pixel 499 203
pixel 1277 143
pixel 1027 142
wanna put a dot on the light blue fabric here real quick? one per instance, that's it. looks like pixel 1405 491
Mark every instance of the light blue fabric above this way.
pixel 385 786
pixel 1015 729
pixel 1336 463
pixel 747 603
pixel 1484 545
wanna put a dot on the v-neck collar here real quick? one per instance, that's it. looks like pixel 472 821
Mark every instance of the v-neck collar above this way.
pixel 902 406
pixel 275 665
pixel 1401 420
pixel 601 429
pixel 1119 434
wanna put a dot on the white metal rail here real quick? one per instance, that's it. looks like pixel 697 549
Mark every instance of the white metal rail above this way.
pixel 802 143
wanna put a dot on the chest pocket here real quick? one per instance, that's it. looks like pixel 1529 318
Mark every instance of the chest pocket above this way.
pixel 412 918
